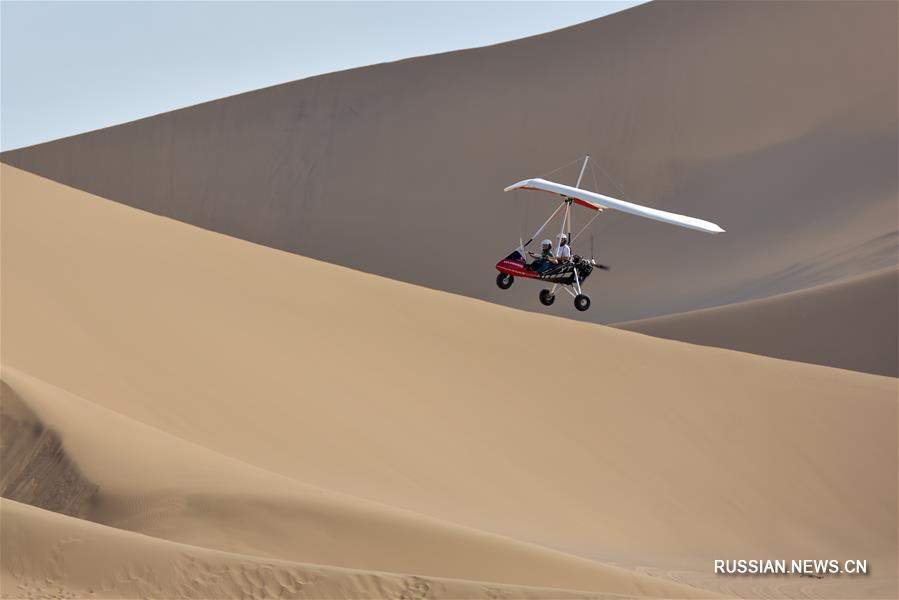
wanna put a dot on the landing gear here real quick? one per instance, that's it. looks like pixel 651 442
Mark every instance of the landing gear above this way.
pixel 504 281
pixel 547 297
pixel 582 302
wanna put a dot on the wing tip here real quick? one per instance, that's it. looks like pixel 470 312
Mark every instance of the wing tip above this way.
pixel 518 185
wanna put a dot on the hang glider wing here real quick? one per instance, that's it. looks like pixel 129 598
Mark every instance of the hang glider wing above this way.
pixel 595 201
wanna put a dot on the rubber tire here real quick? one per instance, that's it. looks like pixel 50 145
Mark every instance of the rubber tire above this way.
pixel 582 302
pixel 504 281
pixel 547 298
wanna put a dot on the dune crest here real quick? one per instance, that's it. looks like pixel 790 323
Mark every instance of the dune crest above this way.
pixel 852 324
pixel 155 484
pixel 46 554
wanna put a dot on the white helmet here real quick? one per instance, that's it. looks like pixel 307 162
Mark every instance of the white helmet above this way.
pixel 546 243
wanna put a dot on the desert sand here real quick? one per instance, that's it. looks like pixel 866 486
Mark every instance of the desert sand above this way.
pixel 850 324
pixel 248 412
pixel 80 559
pixel 776 120
pixel 163 486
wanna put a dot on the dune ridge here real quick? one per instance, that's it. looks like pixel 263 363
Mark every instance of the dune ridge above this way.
pixel 852 324
pixel 270 360
pixel 84 559
pixel 154 484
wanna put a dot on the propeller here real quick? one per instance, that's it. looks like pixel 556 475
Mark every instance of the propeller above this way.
pixel 593 260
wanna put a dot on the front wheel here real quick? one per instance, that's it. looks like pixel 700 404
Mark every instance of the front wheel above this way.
pixel 504 281
pixel 546 297
pixel 582 302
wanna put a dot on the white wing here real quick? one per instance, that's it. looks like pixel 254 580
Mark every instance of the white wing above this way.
pixel 598 201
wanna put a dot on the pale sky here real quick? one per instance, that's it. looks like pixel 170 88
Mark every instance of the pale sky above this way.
pixel 69 67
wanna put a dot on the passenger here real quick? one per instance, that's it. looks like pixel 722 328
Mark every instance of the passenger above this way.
pixel 563 252
pixel 542 261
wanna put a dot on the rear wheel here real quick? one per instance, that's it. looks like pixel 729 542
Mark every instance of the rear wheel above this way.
pixel 504 281
pixel 546 297
pixel 582 302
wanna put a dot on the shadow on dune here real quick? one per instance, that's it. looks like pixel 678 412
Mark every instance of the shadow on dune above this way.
pixel 34 467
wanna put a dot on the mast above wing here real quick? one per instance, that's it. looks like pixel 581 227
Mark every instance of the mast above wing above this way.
pixel 595 201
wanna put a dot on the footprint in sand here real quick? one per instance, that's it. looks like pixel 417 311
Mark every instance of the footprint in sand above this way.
pixel 415 588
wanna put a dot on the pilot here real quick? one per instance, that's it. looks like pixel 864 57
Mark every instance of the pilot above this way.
pixel 542 260
pixel 563 252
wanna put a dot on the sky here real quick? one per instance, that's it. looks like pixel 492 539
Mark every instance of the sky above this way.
pixel 68 67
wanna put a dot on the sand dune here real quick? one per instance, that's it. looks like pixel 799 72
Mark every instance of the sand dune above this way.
pixel 48 555
pixel 850 324
pixel 165 487
pixel 324 390
pixel 776 120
